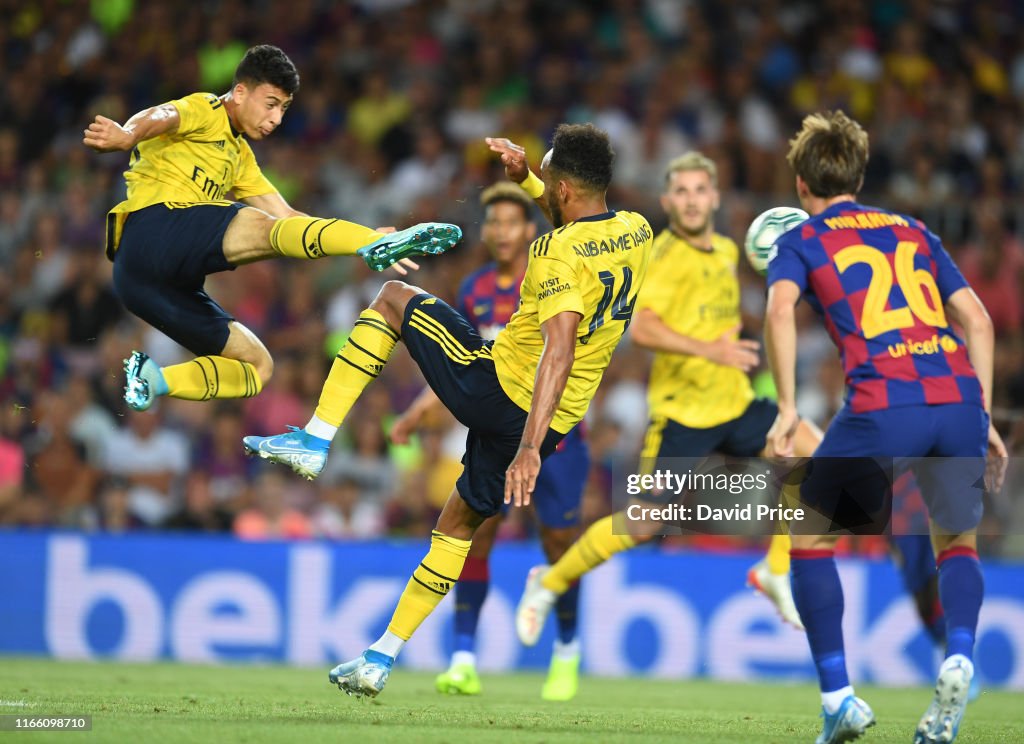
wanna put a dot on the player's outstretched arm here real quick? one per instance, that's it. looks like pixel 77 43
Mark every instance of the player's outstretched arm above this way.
pixel 559 332
pixel 106 135
pixel 513 157
pixel 651 332
pixel 780 344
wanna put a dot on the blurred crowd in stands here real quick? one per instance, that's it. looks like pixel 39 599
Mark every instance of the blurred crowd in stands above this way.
pixel 387 129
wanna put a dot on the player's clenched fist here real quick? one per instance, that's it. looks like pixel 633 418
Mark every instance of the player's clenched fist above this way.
pixel 106 135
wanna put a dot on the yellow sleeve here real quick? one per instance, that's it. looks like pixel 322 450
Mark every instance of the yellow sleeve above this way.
pixel 250 180
pixel 557 288
pixel 196 114
pixel 660 290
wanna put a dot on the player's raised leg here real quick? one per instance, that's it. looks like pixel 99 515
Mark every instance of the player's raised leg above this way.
pixel 461 677
pixel 255 235
pixel 238 371
pixel 435 576
pixel 360 360
pixel 230 362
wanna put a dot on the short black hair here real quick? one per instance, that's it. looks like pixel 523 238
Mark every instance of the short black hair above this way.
pixel 583 153
pixel 267 64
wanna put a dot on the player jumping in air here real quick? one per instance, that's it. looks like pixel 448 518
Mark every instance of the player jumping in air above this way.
pixel 885 287
pixel 519 395
pixel 176 227
pixel 699 397
pixel 487 299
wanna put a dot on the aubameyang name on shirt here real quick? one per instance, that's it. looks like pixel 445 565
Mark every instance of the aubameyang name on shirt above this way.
pixel 864 220
pixel 624 242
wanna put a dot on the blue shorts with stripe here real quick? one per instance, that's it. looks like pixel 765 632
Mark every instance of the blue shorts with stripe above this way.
pixel 743 436
pixel 944 445
pixel 456 362
pixel 161 263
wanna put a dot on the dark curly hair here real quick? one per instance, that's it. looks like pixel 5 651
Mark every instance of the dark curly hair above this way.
pixel 583 153
pixel 267 64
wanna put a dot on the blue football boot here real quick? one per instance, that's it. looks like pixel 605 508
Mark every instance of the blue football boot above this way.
pixel 302 452
pixel 941 722
pixel 424 239
pixel 364 676
pixel 853 718
pixel 144 381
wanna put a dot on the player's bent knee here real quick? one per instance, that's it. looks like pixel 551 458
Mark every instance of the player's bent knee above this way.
pixel 265 368
pixel 392 299
pixel 397 293
pixel 245 346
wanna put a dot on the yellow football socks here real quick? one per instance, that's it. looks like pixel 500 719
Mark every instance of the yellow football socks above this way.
pixel 208 377
pixel 358 363
pixel 595 546
pixel 778 555
pixel 430 582
pixel 316 237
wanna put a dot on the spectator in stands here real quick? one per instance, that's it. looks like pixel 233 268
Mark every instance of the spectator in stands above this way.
pixel 942 95
pixel 152 459
pixel 201 511
pixel 271 516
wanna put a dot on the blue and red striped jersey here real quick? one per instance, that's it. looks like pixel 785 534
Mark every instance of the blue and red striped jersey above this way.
pixel 880 281
pixel 486 305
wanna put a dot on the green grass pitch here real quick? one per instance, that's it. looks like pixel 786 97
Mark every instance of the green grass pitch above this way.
pixel 179 703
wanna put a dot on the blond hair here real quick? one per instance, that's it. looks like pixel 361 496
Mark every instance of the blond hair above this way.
pixel 505 191
pixel 830 154
pixel 692 161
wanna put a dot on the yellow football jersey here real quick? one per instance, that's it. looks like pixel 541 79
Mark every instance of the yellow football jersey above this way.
pixel 696 294
pixel 593 267
pixel 203 160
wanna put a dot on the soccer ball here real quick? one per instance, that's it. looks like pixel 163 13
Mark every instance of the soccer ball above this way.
pixel 759 244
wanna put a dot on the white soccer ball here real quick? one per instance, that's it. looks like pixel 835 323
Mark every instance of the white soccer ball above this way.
pixel 759 244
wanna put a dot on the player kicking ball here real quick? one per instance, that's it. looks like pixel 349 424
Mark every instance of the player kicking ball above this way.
pixel 487 299
pixel 520 395
pixel 883 283
pixel 177 226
